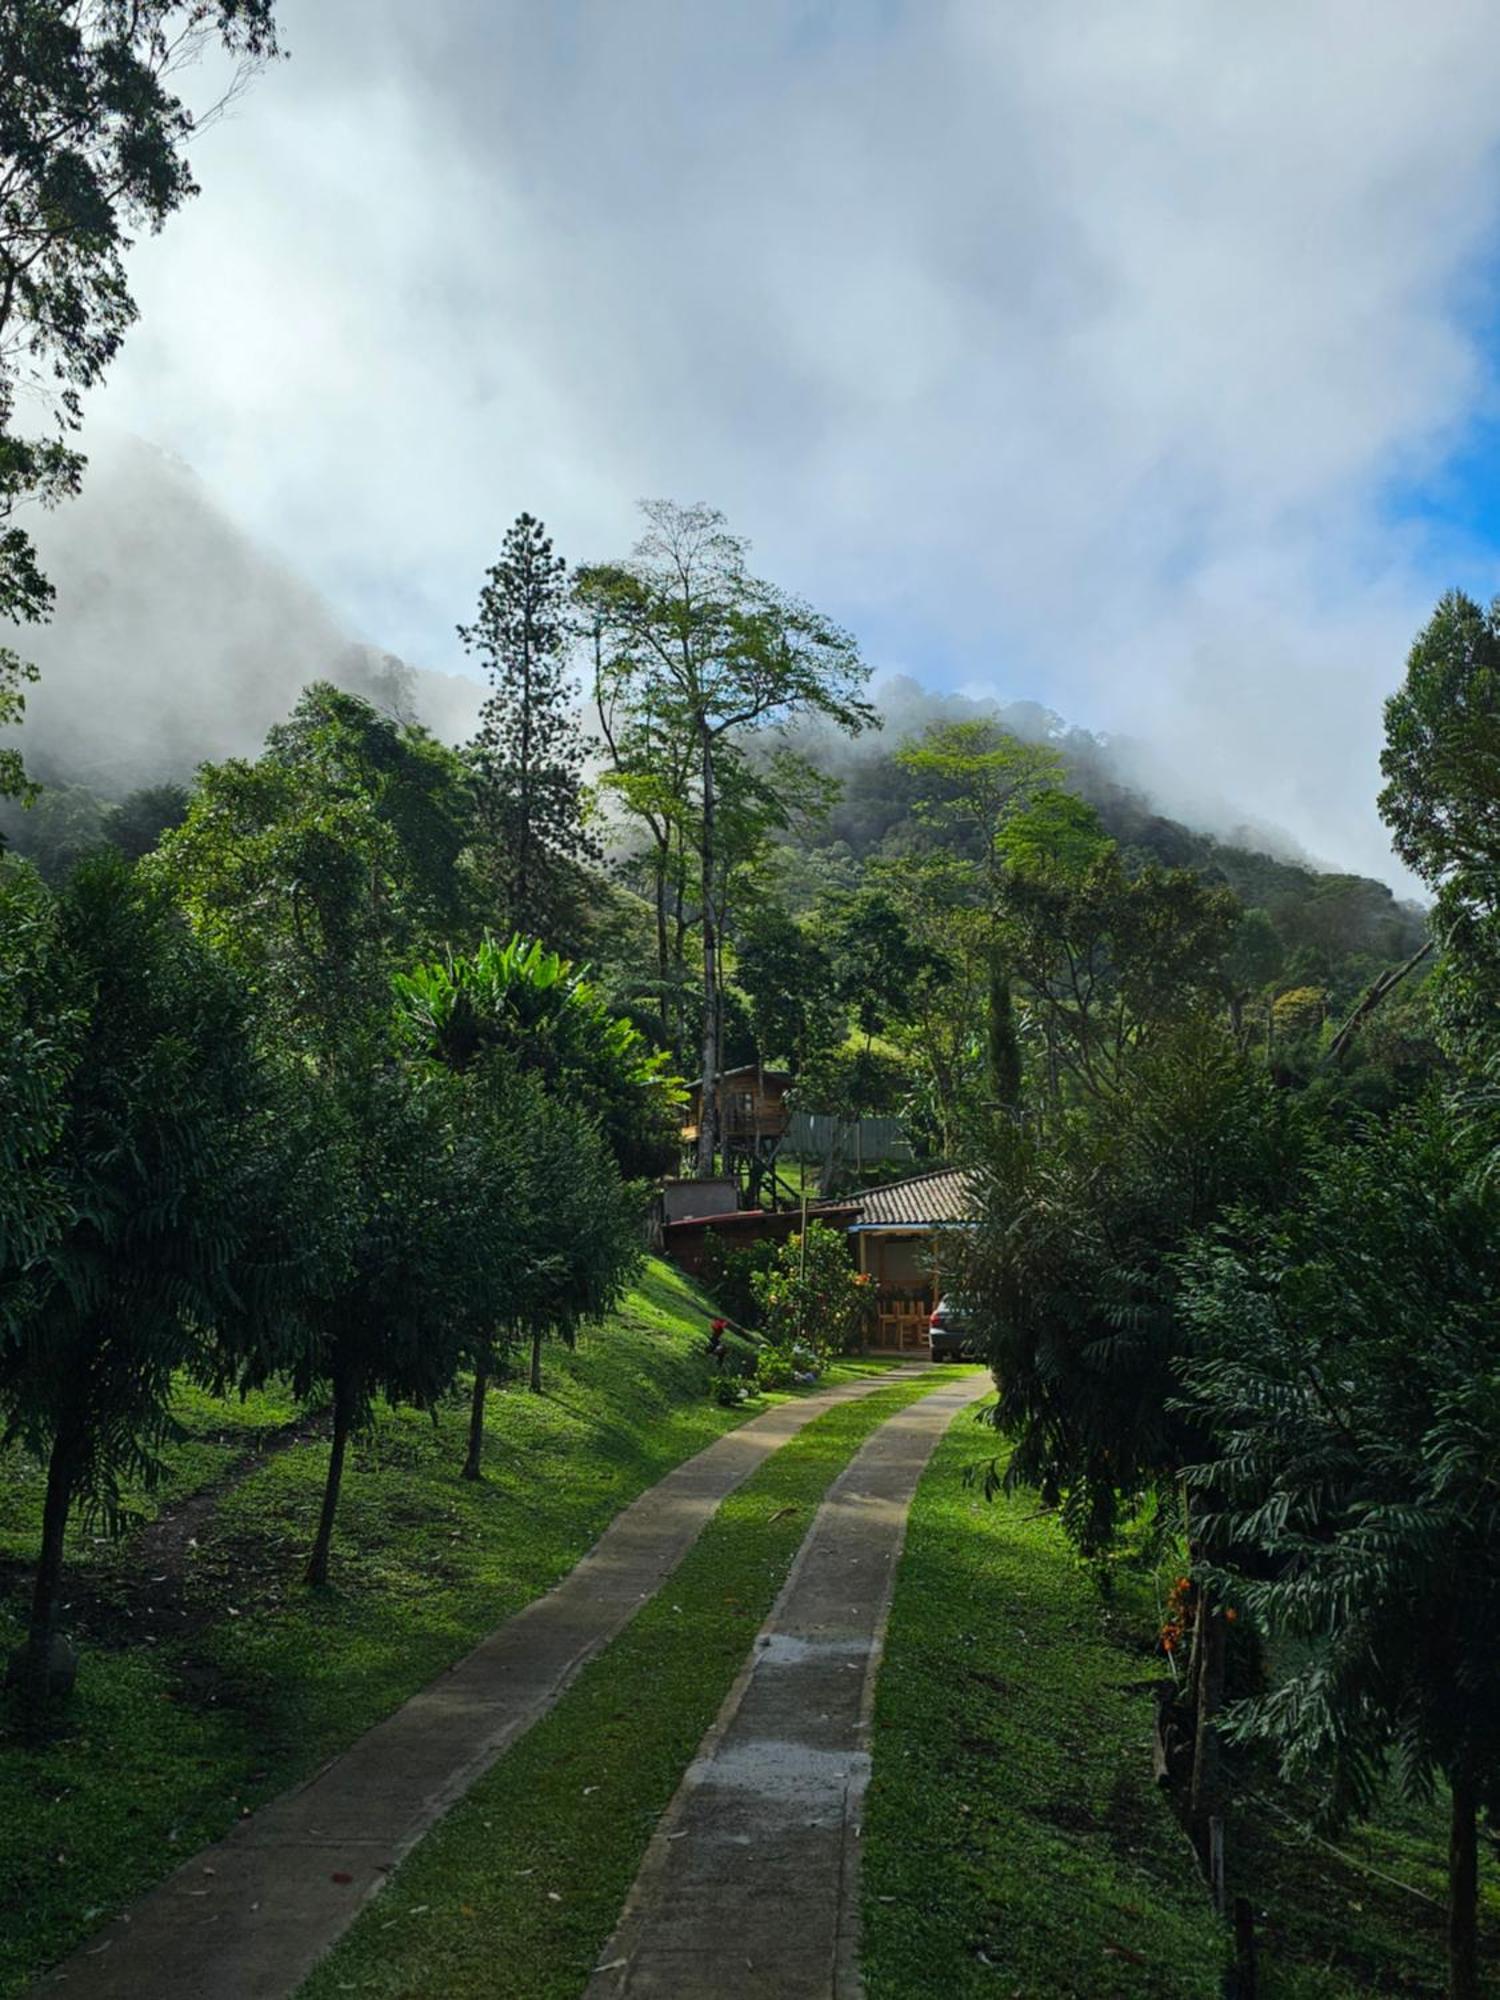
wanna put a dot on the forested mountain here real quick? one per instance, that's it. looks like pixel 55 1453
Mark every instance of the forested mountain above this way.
pixel 1334 928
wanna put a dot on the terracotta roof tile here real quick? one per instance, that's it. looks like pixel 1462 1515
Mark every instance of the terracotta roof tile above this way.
pixel 920 1200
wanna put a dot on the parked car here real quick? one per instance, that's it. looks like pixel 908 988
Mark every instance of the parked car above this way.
pixel 950 1333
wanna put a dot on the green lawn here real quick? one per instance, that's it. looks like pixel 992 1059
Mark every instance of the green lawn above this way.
pixel 1014 1843
pixel 513 1895
pixel 203 1694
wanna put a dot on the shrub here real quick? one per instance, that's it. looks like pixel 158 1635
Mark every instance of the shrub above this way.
pixel 811 1295
pixel 729 1274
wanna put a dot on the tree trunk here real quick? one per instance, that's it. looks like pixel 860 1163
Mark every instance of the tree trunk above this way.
pixel 1206 1805
pixel 536 1361
pixel 1463 1890
pixel 663 960
pixel 473 1464
pixel 708 1118
pixel 61 1472
pixel 343 1415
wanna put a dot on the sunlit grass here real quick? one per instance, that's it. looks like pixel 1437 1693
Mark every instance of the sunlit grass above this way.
pixel 514 1894
pixel 254 1682
pixel 1014 1843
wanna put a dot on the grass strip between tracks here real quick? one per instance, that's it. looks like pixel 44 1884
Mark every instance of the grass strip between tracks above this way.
pixel 519 1888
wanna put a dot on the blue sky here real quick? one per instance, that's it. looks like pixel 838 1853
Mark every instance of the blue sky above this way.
pixel 1141 361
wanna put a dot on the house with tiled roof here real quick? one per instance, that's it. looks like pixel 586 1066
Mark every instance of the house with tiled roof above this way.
pixel 900 1235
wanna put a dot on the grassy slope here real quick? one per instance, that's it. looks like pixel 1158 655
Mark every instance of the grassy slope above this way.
pixel 1014 1843
pixel 1335 1925
pixel 514 1894
pixel 196 1704
pixel 1013 1835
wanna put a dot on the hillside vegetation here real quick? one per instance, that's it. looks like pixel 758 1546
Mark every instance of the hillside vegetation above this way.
pixel 212 1680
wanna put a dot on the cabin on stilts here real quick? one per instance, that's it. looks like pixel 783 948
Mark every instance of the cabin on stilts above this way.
pixel 752 1122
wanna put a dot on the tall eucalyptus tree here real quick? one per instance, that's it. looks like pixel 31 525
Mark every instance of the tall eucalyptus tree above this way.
pixel 690 638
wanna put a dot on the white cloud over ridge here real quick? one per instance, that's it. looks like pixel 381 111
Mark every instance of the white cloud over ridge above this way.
pixel 1062 352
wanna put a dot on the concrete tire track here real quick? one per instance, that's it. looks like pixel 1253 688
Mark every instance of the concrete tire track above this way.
pixel 750 1887
pixel 248 1918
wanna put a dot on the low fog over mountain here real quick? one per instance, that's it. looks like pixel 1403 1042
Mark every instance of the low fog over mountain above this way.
pixel 176 639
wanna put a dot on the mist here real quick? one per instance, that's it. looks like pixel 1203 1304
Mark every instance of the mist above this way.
pixel 1124 360
pixel 177 638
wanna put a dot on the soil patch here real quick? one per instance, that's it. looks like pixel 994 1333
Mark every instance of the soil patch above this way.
pixel 150 1588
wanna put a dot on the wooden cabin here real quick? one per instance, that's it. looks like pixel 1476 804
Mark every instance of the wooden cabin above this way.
pixel 898 1240
pixel 752 1107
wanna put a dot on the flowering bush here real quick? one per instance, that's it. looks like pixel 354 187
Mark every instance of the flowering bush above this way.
pixel 811 1296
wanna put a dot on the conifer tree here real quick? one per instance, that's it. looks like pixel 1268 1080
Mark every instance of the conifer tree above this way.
pixel 528 754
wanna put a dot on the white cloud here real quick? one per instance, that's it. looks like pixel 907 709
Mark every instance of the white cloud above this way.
pixel 1074 349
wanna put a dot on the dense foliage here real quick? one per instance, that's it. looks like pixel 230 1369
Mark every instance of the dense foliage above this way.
pixel 1346 1364
pixel 811 1302
pixel 1237 1280
pixel 1073 1274
pixel 180 1200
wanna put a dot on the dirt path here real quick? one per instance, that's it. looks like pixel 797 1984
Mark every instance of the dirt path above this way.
pixel 750 1888
pixel 248 1918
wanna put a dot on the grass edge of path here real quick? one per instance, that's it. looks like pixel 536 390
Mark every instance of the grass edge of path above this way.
pixel 516 1891
pixel 173 1734
pixel 1014 1843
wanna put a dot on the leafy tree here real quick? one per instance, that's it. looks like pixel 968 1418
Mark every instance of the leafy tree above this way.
pixel 1004 1044
pixel 589 1244
pixel 876 959
pixel 508 1126
pixel 1111 962
pixel 1346 1363
pixel 688 635
pixel 1441 798
pixel 416 1209
pixel 93 138
pixel 992 801
pixel 557 1220
pixel 1252 961
pixel 177 1211
pixel 786 976
pixel 1071 1273
pixel 327 862
pixel 55 827
pixel 651 760
pixel 762 799
pixel 539 1010
pixel 41 1024
pixel 855 1080
pixel 944 1038
pixel 1052 834
pixel 529 752
pixel 975 777
pixel 137 824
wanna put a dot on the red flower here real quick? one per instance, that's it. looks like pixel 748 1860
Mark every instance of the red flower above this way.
pixel 719 1325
